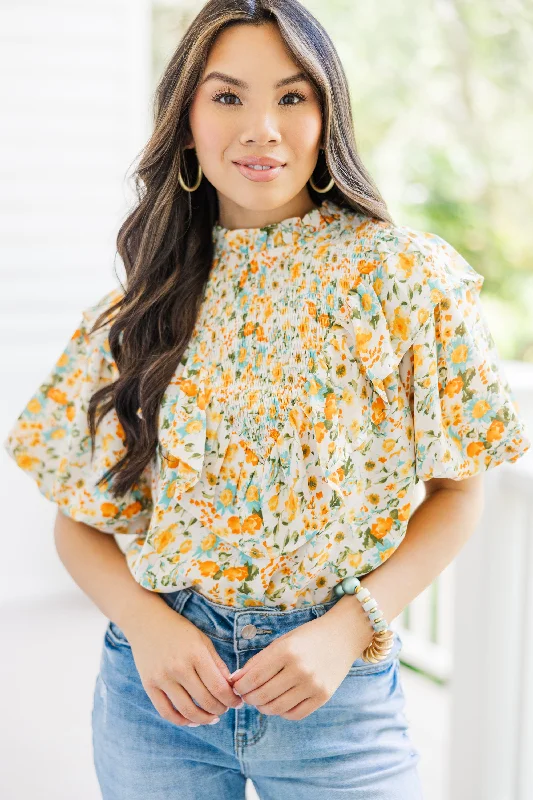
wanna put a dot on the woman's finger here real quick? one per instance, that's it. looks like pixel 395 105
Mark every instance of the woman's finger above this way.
pixel 164 707
pixel 182 700
pixel 221 664
pixel 217 688
pixel 207 689
pixel 279 684
pixel 259 670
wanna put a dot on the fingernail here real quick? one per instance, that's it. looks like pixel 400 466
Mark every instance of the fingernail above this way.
pixel 214 720
pixel 193 724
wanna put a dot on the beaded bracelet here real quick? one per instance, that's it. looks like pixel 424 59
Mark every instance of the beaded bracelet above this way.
pixel 383 641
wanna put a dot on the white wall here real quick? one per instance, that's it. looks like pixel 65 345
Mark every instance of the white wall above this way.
pixel 76 111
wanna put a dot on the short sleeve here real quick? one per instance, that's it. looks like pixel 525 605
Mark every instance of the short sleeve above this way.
pixel 465 416
pixel 50 439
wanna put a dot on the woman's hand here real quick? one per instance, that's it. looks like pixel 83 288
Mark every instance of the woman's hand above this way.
pixel 299 671
pixel 178 662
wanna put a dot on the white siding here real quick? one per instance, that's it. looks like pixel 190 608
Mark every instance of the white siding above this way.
pixel 76 111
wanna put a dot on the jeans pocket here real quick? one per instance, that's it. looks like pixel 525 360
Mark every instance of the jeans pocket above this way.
pixel 116 636
pixel 362 667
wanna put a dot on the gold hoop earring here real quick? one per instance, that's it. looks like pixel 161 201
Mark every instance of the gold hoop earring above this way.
pixel 321 191
pixel 196 185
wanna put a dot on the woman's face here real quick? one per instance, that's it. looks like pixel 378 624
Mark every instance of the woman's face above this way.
pixel 247 113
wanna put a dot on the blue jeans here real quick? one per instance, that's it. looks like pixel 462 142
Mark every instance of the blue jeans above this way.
pixel 356 745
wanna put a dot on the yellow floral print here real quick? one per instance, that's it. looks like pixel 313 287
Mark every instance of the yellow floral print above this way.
pixel 336 361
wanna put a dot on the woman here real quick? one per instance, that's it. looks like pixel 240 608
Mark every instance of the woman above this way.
pixel 254 410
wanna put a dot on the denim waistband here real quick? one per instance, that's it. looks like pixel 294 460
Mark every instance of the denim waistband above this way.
pixel 246 628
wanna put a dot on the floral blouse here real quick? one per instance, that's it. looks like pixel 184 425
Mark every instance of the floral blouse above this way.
pixel 336 361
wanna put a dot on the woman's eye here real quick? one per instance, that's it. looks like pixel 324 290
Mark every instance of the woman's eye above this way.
pixel 299 95
pixel 218 98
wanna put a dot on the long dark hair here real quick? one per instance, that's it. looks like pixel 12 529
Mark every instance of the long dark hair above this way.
pixel 165 243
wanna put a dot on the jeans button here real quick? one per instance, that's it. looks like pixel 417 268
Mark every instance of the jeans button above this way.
pixel 249 631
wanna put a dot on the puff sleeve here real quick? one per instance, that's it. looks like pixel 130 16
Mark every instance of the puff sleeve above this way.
pixel 465 415
pixel 50 439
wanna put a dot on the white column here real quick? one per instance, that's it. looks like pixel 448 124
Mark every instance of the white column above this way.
pixel 76 110
pixel 491 733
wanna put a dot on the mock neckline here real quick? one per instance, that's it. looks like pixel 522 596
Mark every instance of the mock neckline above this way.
pixel 286 231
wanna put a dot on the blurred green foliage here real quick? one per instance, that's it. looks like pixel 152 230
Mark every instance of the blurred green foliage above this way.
pixel 442 96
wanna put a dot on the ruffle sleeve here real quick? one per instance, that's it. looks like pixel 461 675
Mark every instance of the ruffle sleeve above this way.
pixel 50 439
pixel 421 320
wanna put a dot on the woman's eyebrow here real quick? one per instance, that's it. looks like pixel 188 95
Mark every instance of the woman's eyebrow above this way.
pixel 221 76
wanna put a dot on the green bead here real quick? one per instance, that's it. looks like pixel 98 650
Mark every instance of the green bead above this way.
pixel 350 584
pixel 338 591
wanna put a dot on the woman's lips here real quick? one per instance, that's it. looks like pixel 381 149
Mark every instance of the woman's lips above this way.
pixel 259 175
